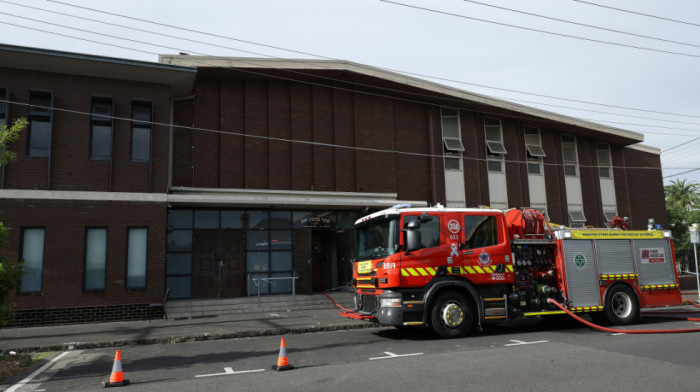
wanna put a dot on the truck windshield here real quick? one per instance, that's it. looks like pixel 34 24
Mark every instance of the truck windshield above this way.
pixel 377 239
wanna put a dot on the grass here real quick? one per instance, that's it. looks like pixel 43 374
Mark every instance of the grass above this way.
pixel 11 365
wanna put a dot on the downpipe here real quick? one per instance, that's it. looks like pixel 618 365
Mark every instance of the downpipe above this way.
pixel 627 331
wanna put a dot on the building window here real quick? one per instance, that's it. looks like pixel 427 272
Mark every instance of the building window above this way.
pixel 39 132
pixel 453 163
pixel 142 118
pixel 33 256
pixel 4 105
pixel 95 259
pixel 604 160
pixel 430 231
pixel 137 250
pixel 534 150
pixel 480 231
pixel 101 129
pixel 569 155
pixel 577 219
pixel 608 216
pixel 495 150
pixel 451 134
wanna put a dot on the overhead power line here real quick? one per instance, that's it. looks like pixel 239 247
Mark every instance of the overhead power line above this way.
pixel 581 24
pixel 639 13
pixel 325 57
pixel 540 31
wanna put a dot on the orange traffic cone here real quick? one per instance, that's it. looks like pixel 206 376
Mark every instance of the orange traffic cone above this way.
pixel 117 377
pixel 282 360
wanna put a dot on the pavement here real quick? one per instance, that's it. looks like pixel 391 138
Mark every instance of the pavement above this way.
pixel 126 333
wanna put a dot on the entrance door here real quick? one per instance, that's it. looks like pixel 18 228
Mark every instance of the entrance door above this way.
pixel 219 257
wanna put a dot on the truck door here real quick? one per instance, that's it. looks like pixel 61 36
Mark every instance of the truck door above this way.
pixel 486 252
pixel 418 267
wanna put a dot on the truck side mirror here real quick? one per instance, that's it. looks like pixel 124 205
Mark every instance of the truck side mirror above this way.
pixel 413 240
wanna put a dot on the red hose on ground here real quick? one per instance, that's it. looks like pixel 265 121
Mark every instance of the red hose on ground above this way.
pixel 336 304
pixel 613 330
pixel 694 304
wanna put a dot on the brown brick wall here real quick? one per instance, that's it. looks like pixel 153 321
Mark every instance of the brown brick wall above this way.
pixel 645 188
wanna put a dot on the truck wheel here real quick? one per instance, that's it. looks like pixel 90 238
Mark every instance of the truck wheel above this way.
pixel 452 315
pixel 621 306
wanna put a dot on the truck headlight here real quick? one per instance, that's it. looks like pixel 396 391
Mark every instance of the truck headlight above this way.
pixel 390 302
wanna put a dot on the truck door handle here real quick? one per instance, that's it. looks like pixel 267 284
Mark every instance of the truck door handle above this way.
pixel 469 252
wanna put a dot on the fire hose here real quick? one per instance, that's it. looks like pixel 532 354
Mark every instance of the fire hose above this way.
pixel 627 331
pixel 336 304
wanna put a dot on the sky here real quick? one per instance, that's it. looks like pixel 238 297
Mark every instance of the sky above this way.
pixel 634 66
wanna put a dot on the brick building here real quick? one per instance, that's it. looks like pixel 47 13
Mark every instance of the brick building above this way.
pixel 264 170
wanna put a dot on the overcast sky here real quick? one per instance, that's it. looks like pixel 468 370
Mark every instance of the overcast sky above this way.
pixel 642 77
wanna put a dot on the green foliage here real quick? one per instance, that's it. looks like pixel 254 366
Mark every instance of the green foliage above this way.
pixel 682 202
pixel 10 272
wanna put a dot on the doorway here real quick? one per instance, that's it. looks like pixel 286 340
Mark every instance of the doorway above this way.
pixel 219 259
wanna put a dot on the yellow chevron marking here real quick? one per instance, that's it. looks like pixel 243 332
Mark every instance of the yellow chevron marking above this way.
pixel 422 271
pixel 488 269
pixel 404 272
pixel 412 271
pixel 509 268
pixel 478 269
pixel 470 270
pixel 431 271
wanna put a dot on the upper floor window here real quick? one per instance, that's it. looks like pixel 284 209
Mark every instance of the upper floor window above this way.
pixel 4 105
pixel 39 132
pixel 495 150
pixel 480 231
pixel 101 129
pixel 451 134
pixel 569 155
pixel 430 231
pixel 535 152
pixel 604 160
pixel 142 118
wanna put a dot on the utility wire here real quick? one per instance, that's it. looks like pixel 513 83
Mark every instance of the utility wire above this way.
pixel 539 30
pixel 581 24
pixel 330 58
pixel 685 172
pixel 638 13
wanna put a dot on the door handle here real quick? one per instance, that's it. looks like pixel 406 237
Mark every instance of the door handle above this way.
pixel 469 252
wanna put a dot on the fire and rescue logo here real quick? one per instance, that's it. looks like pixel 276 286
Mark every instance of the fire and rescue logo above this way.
pixel 453 226
pixel 484 258
pixel 580 261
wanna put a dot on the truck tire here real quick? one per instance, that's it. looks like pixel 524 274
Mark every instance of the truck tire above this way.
pixel 451 315
pixel 621 306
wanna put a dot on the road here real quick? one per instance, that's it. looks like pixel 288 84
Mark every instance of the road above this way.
pixel 532 355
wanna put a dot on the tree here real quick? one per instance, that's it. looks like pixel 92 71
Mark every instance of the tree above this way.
pixel 682 199
pixel 682 193
pixel 10 272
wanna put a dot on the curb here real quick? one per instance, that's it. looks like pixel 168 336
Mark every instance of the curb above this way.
pixel 190 338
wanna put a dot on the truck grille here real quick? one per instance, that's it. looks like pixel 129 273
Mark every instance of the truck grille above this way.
pixel 367 303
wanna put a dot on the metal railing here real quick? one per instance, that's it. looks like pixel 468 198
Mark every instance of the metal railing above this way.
pixel 257 282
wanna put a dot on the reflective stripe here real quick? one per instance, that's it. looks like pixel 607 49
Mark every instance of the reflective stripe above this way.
pixel 509 267
pixel 431 271
pixel 404 273
pixel 412 271
pixel 422 271
pixel 618 276
pixel 659 287
pixel 470 270
pixel 587 309
pixel 476 267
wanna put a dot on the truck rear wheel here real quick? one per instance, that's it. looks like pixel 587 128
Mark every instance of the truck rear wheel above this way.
pixel 451 315
pixel 622 306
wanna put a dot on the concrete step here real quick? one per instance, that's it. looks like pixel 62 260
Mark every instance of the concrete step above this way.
pixel 179 309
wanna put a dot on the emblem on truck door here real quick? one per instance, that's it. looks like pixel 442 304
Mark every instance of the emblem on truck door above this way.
pixel 484 258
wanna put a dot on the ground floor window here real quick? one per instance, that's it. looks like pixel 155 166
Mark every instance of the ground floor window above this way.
pixel 95 258
pixel 33 256
pixel 137 249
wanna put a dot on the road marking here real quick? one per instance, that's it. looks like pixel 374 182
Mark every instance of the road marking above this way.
pixel 229 371
pixel 36 373
pixel 392 355
pixel 521 343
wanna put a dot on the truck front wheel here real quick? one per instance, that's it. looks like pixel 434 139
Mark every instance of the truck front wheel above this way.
pixel 621 306
pixel 451 315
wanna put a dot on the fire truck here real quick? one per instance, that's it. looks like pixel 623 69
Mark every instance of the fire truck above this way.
pixel 454 269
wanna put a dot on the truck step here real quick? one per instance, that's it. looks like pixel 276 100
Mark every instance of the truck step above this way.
pixel 494 312
pixel 495 299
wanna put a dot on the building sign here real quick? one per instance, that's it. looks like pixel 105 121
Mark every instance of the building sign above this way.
pixel 315 222
pixel 653 255
pixel 615 234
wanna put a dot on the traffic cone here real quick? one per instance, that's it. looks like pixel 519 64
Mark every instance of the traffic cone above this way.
pixel 282 360
pixel 117 377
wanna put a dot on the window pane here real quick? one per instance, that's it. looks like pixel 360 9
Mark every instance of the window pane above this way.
pixel 257 240
pixel 430 231
pixel 95 259
pixel 140 144
pixel 492 122
pixel 179 264
pixel 40 104
pixel 604 172
pixel 452 164
pixel 448 112
pixel 233 219
pixel 570 170
pixel 346 219
pixel 569 153
pixel 258 219
pixel 141 111
pixel 179 286
pixel 453 144
pixel 257 262
pixel 480 231
pixel 450 127
pixel 496 148
pixel 101 142
pixel 180 241
pixel 281 219
pixel 281 261
pixel 281 239
pixel 206 219
pixel 280 286
pixel 136 258
pixel 33 256
pixel 533 168
pixel 39 139
pixel 102 110
pixel 493 134
pixel 603 155
pixel 494 166
pixel 180 219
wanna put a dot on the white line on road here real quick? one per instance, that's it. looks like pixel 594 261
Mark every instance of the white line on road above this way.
pixel 619 333
pixel 392 355
pixel 36 373
pixel 521 343
pixel 229 371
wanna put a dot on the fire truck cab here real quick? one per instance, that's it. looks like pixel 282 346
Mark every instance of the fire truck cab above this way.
pixel 453 269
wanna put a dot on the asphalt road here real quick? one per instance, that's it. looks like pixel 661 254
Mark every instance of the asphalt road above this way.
pixel 533 355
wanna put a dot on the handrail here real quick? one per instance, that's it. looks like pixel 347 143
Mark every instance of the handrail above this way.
pixel 256 280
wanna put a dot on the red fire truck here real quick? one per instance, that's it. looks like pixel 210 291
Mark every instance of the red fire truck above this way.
pixel 452 269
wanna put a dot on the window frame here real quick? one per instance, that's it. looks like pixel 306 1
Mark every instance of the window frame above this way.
pixel 487 218
pixel 43 257
pixel 5 106
pixel 101 120
pixel 607 165
pixel 127 285
pixel 39 113
pixel 85 264
pixel 534 152
pixel 612 215
pixel 578 223
pixel 141 125
pixel 569 163
pixel 495 149
pixel 434 222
